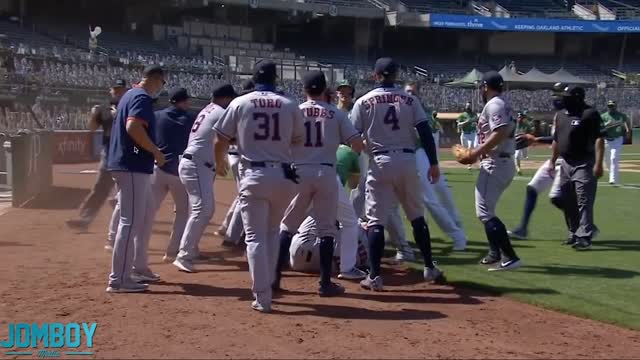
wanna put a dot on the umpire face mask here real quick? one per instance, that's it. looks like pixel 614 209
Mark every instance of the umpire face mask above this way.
pixel 573 104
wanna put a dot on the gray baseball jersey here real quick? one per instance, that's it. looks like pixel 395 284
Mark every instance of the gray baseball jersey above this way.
pixel 497 169
pixel 325 128
pixel 264 125
pixel 387 118
pixel 201 139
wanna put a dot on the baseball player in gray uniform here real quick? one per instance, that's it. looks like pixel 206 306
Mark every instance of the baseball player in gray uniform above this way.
pixel 325 128
pixel 197 173
pixel 496 146
pixel 265 125
pixel 231 229
pixel 388 118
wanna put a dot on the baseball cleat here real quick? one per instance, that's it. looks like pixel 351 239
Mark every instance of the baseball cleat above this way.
pixel 490 259
pixel 184 265
pixel 517 234
pixel 404 255
pixel 459 245
pixel 202 259
pixel 127 288
pixel 372 284
pixel 330 290
pixel 432 275
pixel 255 305
pixel 507 265
pixel 77 225
pixel 108 247
pixel 168 259
pixel 220 232
pixel 144 277
pixel 570 241
pixel 582 244
pixel 353 274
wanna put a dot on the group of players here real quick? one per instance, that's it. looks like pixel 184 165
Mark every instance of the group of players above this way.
pixel 290 167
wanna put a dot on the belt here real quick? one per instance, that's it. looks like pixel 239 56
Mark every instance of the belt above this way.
pixel 323 164
pixel 190 157
pixel 264 164
pixel 502 155
pixel 383 152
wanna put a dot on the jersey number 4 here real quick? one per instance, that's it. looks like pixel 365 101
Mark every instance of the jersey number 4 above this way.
pixel 265 125
pixel 392 118
pixel 309 129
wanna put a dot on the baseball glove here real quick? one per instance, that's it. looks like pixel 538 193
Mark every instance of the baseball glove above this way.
pixel 524 140
pixel 462 154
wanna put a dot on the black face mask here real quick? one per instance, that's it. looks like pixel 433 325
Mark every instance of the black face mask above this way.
pixel 574 105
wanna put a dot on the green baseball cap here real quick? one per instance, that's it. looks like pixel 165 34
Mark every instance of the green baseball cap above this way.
pixel 344 83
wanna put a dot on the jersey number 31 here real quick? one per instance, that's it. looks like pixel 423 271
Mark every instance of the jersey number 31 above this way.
pixel 265 122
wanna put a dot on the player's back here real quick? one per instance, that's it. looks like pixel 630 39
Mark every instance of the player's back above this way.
pixel 325 128
pixel 387 118
pixel 267 124
pixel 201 137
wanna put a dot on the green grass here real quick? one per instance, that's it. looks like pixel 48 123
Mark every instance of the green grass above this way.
pixel 602 284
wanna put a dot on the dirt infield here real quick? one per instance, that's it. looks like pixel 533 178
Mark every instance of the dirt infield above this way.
pixel 49 273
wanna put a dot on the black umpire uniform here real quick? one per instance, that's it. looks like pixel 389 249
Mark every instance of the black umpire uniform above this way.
pixel 578 139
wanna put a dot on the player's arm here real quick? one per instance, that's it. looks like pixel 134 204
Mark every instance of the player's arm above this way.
pixel 349 134
pixel 426 138
pixel 627 126
pixel 94 119
pixel 354 174
pixel 226 129
pixel 140 114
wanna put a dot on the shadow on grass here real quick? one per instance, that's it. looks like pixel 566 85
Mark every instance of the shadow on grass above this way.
pixel 491 290
pixel 579 270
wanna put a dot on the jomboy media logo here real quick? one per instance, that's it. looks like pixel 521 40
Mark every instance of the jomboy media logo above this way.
pixel 49 339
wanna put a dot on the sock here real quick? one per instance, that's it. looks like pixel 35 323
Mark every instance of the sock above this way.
pixel 375 237
pixel 557 202
pixel 494 247
pixel 326 259
pixel 422 237
pixel 529 206
pixel 283 255
pixel 497 232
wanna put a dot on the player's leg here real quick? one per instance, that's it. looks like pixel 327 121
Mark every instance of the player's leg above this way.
pixel 569 202
pixel 540 182
pixel 607 155
pixel 585 185
pixel 198 182
pixel 324 205
pixel 235 231
pixel 495 176
pixel 616 148
pixel 96 198
pixel 157 192
pixel 517 159
pixel 406 184
pixel 397 235
pixel 181 201
pixel 431 201
pixel 134 189
pixel 379 202
pixel 234 161
pixel 347 239
pixel 113 224
pixel 255 217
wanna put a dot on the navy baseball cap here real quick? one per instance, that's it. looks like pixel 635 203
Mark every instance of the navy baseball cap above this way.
pixel 493 80
pixel 386 66
pixel 314 80
pixel 225 90
pixel 119 83
pixel 569 91
pixel 265 71
pixel 177 95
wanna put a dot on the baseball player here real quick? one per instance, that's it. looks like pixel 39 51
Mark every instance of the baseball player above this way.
pixel 496 129
pixel 346 92
pixel 197 173
pixel 231 229
pixel 388 118
pixel 436 127
pixel 616 125
pixel 131 159
pixel 172 129
pixel 305 250
pixel 466 123
pixel 100 117
pixel 437 197
pixel 325 128
pixel 265 125
pixel 522 127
